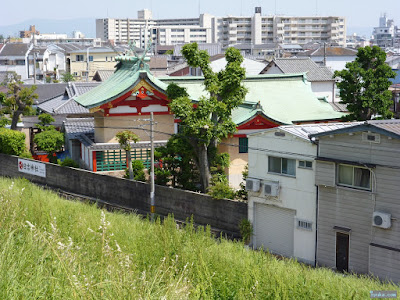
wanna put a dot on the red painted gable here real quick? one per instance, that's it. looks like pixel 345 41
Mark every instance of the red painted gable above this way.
pixel 144 98
pixel 258 122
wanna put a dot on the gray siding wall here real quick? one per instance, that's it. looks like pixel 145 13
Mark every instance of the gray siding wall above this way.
pixel 344 208
pixel 353 148
pixel 352 208
pixel 325 174
pixel 385 264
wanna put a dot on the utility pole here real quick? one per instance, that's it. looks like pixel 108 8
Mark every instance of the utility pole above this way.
pixel 152 187
pixel 34 66
pixel 325 54
pixel 87 64
pixel 34 59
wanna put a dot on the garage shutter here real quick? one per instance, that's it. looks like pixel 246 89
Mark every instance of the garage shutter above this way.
pixel 274 229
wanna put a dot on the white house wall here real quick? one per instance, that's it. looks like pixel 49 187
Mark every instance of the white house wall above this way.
pixel 297 193
pixel 324 89
pixel 336 63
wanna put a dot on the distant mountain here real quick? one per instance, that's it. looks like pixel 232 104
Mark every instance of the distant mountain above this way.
pixel 86 26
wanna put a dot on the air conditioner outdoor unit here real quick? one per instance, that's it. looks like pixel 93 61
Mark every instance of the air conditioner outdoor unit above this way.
pixel 271 188
pixel 252 185
pixel 382 220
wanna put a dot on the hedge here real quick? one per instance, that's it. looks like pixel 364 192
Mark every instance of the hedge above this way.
pixel 12 142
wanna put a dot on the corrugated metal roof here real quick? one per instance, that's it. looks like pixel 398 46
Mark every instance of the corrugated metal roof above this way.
pixel 388 127
pixel 304 131
pixel 302 65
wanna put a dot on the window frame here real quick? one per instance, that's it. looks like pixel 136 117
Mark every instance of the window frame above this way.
pixel 305 164
pixel 353 186
pixel 281 166
pixel 243 146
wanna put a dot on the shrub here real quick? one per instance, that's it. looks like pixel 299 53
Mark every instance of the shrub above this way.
pixel 26 154
pixel 219 188
pixel 246 230
pixel 69 162
pixel 12 142
pixel 138 171
pixel 162 177
pixel 50 141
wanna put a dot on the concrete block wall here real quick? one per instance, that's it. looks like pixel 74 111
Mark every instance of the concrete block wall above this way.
pixel 224 215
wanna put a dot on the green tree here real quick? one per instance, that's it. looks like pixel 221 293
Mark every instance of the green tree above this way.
pixel 18 101
pixel 137 167
pixel 364 85
pixel 125 138
pixel 204 125
pixel 45 121
pixel 49 141
pixel 67 77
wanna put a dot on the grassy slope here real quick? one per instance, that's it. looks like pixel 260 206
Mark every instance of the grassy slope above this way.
pixel 53 248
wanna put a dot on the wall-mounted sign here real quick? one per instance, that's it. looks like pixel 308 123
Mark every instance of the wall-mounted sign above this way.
pixel 32 167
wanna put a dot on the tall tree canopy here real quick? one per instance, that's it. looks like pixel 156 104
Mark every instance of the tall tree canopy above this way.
pixel 364 85
pixel 18 100
pixel 206 122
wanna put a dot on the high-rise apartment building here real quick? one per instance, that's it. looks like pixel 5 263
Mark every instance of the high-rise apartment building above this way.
pixel 229 30
pixel 387 35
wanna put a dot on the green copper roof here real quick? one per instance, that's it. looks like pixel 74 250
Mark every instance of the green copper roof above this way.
pixel 284 98
pixel 130 71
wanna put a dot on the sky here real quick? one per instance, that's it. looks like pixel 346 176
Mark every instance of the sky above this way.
pixel 358 13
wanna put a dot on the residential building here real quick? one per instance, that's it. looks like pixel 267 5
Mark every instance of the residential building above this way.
pixel 355 41
pixel 357 171
pixel 84 63
pixel 334 58
pixel 228 30
pixel 14 58
pixel 281 188
pixel 217 63
pixel 28 33
pixel 133 92
pixel 387 34
pixel 320 77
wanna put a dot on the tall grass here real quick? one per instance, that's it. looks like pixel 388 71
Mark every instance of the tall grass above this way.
pixel 57 249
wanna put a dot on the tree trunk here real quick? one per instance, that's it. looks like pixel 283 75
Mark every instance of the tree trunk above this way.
pixel 128 157
pixel 204 168
pixel 15 119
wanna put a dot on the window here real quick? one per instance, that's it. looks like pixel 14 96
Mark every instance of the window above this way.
pixel 90 58
pixel 352 176
pixel 283 166
pixel 79 57
pixel 243 145
pixel 305 164
pixel 302 224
